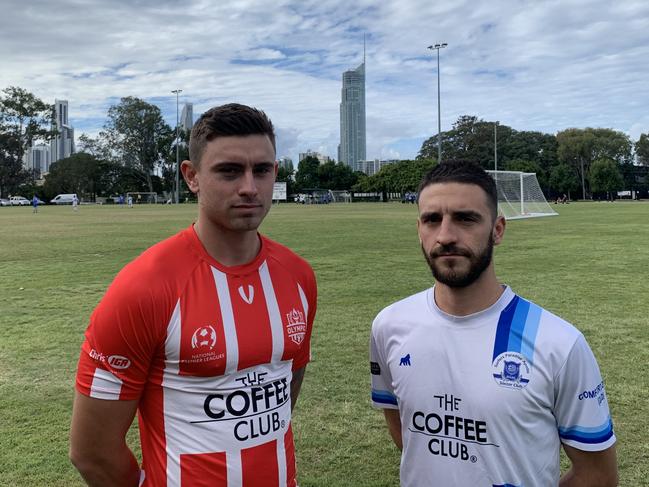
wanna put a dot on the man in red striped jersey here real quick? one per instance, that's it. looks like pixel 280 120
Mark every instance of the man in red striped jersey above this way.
pixel 206 335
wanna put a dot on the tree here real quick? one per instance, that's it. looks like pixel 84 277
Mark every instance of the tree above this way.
pixel 563 180
pixel 307 174
pixel 642 149
pixel 85 175
pixel 285 175
pixel 578 148
pixel 24 120
pixel 398 177
pixel 138 137
pixel 604 177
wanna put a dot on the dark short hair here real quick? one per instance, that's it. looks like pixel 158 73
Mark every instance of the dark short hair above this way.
pixel 465 172
pixel 228 120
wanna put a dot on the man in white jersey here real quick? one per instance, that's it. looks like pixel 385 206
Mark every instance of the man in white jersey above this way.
pixel 205 335
pixel 480 387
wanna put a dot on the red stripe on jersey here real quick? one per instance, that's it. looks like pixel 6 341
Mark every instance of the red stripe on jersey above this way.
pixel 203 470
pixel 202 341
pixel 259 465
pixel 252 323
pixel 291 473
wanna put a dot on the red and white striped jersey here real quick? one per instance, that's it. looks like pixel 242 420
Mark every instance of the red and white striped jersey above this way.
pixel 208 351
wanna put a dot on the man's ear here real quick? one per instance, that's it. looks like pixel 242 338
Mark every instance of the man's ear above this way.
pixel 189 174
pixel 499 229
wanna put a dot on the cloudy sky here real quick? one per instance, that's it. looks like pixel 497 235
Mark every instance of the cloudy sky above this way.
pixel 531 64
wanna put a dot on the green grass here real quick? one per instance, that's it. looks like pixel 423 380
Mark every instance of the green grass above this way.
pixel 588 265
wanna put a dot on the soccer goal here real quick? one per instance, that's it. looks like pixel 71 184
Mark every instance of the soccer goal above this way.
pixel 520 196
pixel 141 197
pixel 340 196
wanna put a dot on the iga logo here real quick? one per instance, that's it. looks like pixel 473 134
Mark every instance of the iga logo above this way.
pixel 204 337
pixel 119 362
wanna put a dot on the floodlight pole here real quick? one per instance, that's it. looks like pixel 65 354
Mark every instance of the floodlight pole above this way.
pixel 177 92
pixel 496 146
pixel 437 47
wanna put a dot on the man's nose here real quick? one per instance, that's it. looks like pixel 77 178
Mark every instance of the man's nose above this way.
pixel 248 184
pixel 447 232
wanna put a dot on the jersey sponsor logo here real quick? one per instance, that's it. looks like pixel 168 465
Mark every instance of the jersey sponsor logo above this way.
pixel 511 370
pixel 249 296
pixel 254 406
pixel 375 368
pixel 598 393
pixel 451 434
pixel 97 356
pixel 119 362
pixel 405 361
pixel 204 338
pixel 114 361
pixel 296 326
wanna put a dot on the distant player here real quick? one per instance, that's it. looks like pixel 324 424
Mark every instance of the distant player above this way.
pixel 75 202
pixel 35 204
pixel 206 334
pixel 479 386
pixel 129 199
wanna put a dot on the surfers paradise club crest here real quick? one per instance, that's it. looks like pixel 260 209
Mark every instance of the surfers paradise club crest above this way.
pixel 296 326
pixel 511 370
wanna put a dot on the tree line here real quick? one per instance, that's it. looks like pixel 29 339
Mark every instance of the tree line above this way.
pixel 136 151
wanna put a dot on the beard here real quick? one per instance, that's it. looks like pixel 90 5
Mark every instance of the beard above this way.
pixel 454 276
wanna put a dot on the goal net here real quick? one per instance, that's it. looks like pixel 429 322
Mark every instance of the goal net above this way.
pixel 519 195
pixel 141 197
pixel 340 196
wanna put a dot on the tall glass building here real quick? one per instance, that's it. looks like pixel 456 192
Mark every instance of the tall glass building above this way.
pixel 352 117
pixel 62 145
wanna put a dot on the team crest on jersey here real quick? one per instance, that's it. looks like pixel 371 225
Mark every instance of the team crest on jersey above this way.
pixel 511 370
pixel 296 326
pixel 204 338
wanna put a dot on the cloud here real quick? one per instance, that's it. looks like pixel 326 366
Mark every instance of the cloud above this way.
pixel 531 65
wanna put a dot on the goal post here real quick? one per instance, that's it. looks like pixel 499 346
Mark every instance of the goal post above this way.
pixel 520 195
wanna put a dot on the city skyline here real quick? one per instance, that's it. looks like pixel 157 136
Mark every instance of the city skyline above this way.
pixel 543 66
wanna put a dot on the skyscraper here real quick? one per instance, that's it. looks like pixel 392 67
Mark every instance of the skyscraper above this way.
pixel 187 116
pixel 62 145
pixel 352 117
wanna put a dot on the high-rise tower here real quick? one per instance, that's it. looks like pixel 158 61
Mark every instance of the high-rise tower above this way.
pixel 352 116
pixel 187 117
pixel 62 145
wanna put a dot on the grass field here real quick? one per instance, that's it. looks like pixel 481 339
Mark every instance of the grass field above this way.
pixel 589 265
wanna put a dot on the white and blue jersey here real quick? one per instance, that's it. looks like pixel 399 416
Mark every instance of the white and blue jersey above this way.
pixel 486 399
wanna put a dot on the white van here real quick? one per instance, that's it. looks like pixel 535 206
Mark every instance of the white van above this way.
pixel 63 199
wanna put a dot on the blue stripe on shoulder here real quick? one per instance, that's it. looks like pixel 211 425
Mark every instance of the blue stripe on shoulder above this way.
pixel 531 329
pixel 518 326
pixel 501 341
pixel 592 435
pixel 383 397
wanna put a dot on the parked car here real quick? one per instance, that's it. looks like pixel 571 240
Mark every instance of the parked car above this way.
pixel 19 201
pixel 5 202
pixel 63 199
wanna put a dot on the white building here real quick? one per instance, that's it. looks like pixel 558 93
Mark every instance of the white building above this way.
pixel 323 159
pixel 37 159
pixel 373 166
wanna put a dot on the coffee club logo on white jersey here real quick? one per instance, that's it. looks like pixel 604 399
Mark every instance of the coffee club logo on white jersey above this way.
pixel 296 326
pixel 204 338
pixel 451 434
pixel 254 406
pixel 511 370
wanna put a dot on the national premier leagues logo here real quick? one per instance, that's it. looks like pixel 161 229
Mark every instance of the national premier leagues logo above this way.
pixel 511 370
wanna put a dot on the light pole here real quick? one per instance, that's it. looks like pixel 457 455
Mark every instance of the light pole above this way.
pixel 177 92
pixel 496 146
pixel 437 47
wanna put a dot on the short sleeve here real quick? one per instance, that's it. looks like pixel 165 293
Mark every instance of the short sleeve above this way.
pixel 121 340
pixel 382 392
pixel 581 407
